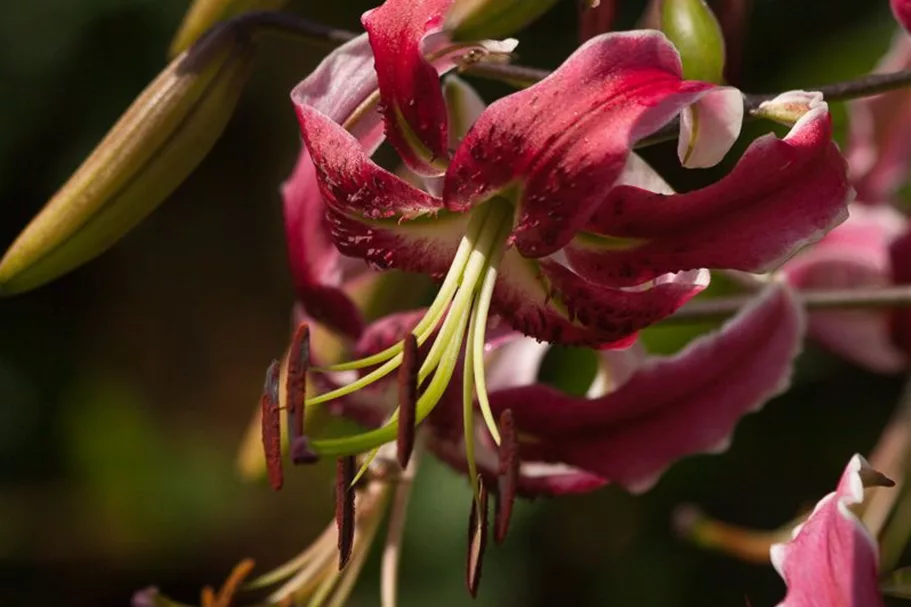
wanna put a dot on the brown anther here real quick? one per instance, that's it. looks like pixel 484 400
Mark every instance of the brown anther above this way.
pixel 408 400
pixel 296 380
pixel 507 476
pixel 477 539
pixel 271 426
pixel 346 468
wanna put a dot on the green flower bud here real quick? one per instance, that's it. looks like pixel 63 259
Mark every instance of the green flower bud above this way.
pixel 480 19
pixel 694 30
pixel 203 14
pixel 155 145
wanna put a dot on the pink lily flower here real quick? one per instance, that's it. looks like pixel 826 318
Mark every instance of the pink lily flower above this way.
pixel 856 254
pixel 528 227
pixel 345 88
pixel 879 139
pixel 866 250
pixel 832 559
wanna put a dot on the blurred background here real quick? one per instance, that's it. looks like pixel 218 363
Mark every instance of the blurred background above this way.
pixel 125 387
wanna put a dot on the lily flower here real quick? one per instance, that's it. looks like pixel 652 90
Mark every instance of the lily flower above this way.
pixel 832 559
pixel 528 227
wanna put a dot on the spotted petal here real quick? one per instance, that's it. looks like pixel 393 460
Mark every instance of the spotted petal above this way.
pixel 547 301
pixel 373 214
pixel 411 49
pixel 565 140
pixel 832 559
pixel 670 407
pixel 783 194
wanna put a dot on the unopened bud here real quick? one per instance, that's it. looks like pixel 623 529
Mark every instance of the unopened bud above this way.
pixel 155 145
pixel 204 14
pixel 788 108
pixel 694 30
pixel 481 19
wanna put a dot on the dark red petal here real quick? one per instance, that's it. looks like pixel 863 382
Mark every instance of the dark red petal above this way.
pixel 669 408
pixel 315 262
pixel 783 194
pixel 566 139
pixel 372 213
pixel 545 300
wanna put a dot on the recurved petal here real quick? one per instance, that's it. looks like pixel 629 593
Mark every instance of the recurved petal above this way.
pixel 669 408
pixel 411 50
pixel 344 88
pixel 879 138
pixel 853 255
pixel 832 559
pixel 372 214
pixel 316 268
pixel 547 301
pixel 781 195
pixel 566 139
pixel 709 128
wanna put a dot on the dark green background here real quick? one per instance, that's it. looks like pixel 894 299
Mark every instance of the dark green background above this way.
pixel 126 386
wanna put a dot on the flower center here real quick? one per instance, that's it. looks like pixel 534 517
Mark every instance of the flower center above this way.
pixel 458 314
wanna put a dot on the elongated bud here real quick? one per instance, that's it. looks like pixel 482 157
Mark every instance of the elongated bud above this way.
pixel 480 19
pixel 154 146
pixel 204 14
pixel 692 27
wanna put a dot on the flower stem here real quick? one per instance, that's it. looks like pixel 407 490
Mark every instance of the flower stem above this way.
pixel 520 75
pixel 718 308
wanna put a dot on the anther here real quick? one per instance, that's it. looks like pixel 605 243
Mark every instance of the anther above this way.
pixel 408 400
pixel 296 380
pixel 507 476
pixel 477 539
pixel 271 426
pixel 344 507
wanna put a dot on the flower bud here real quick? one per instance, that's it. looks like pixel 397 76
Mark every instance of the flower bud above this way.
pixel 692 27
pixel 481 19
pixel 787 108
pixel 203 14
pixel 152 148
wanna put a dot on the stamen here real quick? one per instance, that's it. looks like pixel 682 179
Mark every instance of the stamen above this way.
pixel 476 345
pixel 296 380
pixel 507 476
pixel 477 540
pixel 468 429
pixel 271 426
pixel 344 508
pixel 408 400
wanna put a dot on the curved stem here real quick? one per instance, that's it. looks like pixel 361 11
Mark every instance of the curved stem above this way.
pixel 717 308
